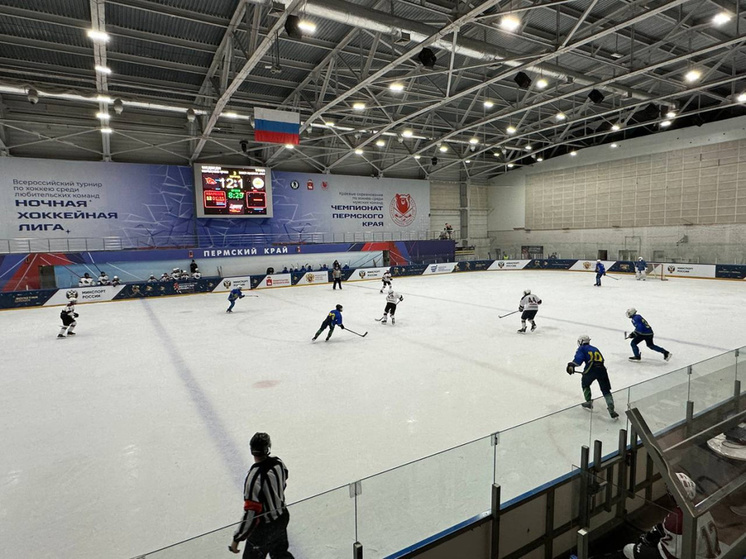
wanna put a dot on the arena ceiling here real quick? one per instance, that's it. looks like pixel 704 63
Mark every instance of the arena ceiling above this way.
pixel 482 87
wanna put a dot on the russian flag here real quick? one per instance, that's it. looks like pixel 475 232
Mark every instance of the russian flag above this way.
pixel 276 127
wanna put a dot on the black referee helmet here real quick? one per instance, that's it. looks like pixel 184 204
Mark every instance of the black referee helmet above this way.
pixel 260 444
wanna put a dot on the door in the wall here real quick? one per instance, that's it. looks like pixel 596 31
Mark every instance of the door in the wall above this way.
pixel 46 277
pixel 603 254
pixel 386 258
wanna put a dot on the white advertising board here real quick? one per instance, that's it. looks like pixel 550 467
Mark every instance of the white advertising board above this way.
pixel 244 282
pixel 275 280
pixel 590 265
pixel 445 268
pixel 368 273
pixel 314 277
pixel 508 265
pixel 687 270
pixel 85 294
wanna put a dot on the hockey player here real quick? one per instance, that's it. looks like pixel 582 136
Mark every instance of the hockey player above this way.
pixel 600 271
pixel 392 299
pixel 68 316
pixel 595 369
pixel 152 279
pixel 165 277
pixel 641 269
pixel 386 279
pixel 103 279
pixel 529 306
pixel 85 281
pixel 196 275
pixel 642 333
pixel 233 296
pixel 115 281
pixel 332 319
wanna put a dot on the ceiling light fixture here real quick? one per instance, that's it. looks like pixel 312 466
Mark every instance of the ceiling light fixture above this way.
pixel 467 161
pixel 380 143
pixel 98 36
pixel 615 127
pixel 396 87
pixel 407 134
pixel 474 141
pixel 488 104
pixel 443 148
pixel 417 156
pixel 510 22
pixel 103 116
pixel 307 26
pixel 692 76
pixel 614 145
pixel 721 18
pixel 289 146
pixel 541 83
pixel 528 147
pixel 511 129
pixel 671 113
pixel 358 152
pixel 229 114
pixel 329 124
pixel 106 130
pixel 560 116
pixel 102 69
pixel 510 165
pixel 359 106
pixel 103 99
pixel 665 124
pixel 573 153
pixel 741 98
pixel 540 159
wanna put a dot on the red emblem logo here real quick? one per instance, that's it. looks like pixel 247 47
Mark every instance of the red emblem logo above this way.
pixel 309 184
pixel 403 209
pixel 324 185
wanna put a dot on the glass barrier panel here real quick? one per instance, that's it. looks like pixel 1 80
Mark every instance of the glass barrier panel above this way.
pixel 407 505
pixel 712 381
pixel 542 450
pixel 662 400
pixel 606 429
pixel 321 527
pixel 741 368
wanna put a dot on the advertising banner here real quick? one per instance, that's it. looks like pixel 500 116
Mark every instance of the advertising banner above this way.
pixel 445 268
pixel 731 271
pixel 590 265
pixel 85 294
pixel 314 277
pixel 367 273
pixel 244 282
pixel 16 299
pixel 274 280
pixel 509 264
pixel 688 270
pixel 474 265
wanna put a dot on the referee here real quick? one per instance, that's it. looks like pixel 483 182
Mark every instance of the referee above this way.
pixel 265 519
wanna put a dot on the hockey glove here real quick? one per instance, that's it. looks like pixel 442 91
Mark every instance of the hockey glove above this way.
pixel 630 335
pixel 570 368
pixel 520 308
pixel 652 537
pixel 401 297
pixel 75 315
pixel 342 326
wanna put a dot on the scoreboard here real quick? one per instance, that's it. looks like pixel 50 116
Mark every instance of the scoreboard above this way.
pixel 232 191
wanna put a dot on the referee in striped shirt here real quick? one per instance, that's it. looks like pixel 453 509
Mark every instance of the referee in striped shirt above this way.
pixel 265 519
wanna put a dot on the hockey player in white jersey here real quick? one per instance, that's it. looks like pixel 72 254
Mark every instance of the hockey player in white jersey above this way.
pixel 529 306
pixel 392 299
pixel 68 316
pixel 386 279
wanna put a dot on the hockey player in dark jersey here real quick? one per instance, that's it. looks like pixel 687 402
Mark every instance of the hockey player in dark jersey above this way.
pixel 600 272
pixel 643 333
pixel 234 295
pixel 334 318
pixel 68 316
pixel 595 369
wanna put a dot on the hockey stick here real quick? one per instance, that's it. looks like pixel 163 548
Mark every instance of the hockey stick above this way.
pixel 503 316
pixel 612 277
pixel 361 335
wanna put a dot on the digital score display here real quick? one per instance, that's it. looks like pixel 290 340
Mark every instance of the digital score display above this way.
pixel 231 191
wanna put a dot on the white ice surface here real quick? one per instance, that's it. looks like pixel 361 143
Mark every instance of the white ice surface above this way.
pixel 133 434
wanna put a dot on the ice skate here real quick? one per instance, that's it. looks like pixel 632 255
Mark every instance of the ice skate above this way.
pixel 533 327
pixel 588 405
pixel 635 358
pixel 522 330
pixel 383 320
pixel 60 335
pixel 668 356
pixel 71 333
pixel 229 311
pixel 393 321
pixel 613 414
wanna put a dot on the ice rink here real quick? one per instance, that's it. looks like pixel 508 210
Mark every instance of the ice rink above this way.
pixel 134 434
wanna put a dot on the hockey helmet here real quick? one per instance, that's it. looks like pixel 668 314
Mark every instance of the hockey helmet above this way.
pixel 339 308
pixel 152 276
pixel 527 292
pixel 599 260
pixel 116 277
pixel 239 288
pixel 260 444
pixel 584 339
pixel 640 259
pixel 632 311
pixel 690 488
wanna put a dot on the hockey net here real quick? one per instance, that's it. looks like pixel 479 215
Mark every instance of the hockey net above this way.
pixel 659 272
